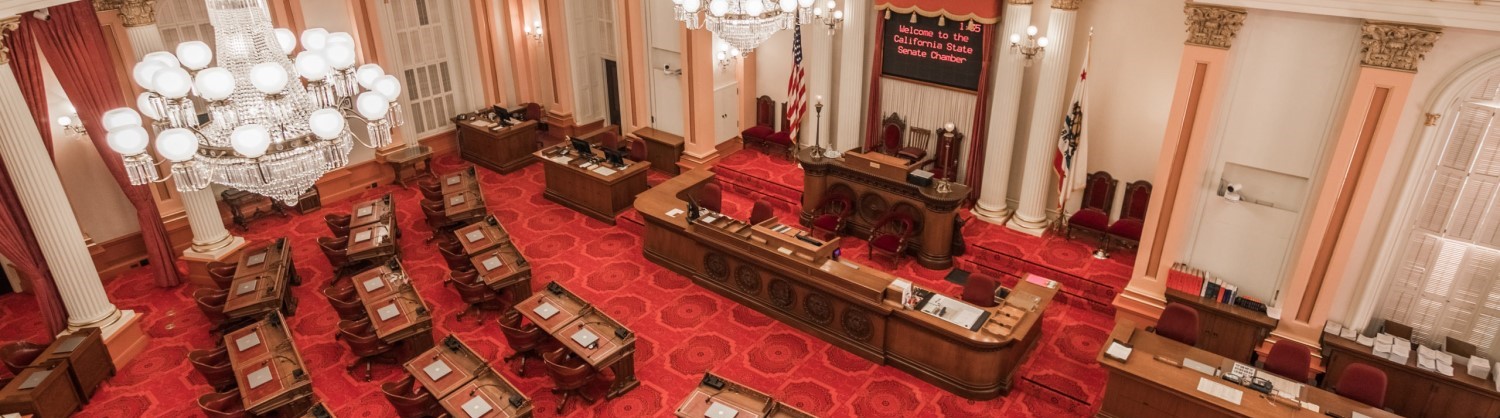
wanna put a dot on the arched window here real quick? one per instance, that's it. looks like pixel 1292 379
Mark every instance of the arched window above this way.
pixel 1445 277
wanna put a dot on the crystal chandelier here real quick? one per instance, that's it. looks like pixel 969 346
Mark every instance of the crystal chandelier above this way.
pixel 745 24
pixel 263 130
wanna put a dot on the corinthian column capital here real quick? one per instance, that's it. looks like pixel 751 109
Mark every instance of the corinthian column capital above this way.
pixel 1396 46
pixel 106 5
pixel 1066 4
pixel 137 13
pixel 1212 26
pixel 7 24
pixel 1026 2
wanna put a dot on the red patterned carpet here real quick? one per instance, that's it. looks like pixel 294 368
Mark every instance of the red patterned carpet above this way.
pixel 683 330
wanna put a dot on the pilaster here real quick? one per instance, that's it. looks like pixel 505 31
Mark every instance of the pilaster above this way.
pixel 1005 109
pixel 1046 121
pixel 698 97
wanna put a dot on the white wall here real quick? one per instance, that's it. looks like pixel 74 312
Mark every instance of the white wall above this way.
pixel 773 68
pixel 664 48
pixel 102 210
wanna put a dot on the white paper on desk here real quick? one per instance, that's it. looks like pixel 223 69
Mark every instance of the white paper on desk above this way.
pixel 477 407
pixel 959 313
pixel 1365 341
pixel 259 377
pixel 246 287
pixel 1333 328
pixel 1359 415
pixel 718 410
pixel 1312 407
pixel 456 200
pixel 388 311
pixel 454 180
pixel 362 236
pixel 492 263
pixel 1199 367
pixel 248 341
pixel 585 337
pixel 474 235
pixel 365 211
pixel 545 310
pixel 1220 390
pixel 1350 334
pixel 375 283
pixel 709 219
pixel 562 159
pixel 437 370
pixel 605 171
pixel 674 212
pixel 1118 351
pixel 256 259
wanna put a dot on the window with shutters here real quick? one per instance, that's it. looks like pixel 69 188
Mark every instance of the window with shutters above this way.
pixel 181 21
pixel 428 41
pixel 1445 276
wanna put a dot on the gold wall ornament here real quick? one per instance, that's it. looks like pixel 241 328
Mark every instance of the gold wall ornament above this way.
pixel 7 24
pixel 106 5
pixel 1396 46
pixel 136 13
pixel 1066 4
pixel 1212 26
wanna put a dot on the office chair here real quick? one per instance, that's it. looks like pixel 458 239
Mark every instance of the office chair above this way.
pixel 476 295
pixel 222 405
pixel 890 234
pixel 710 196
pixel 211 303
pixel 214 366
pixel 831 215
pixel 19 354
pixel 980 290
pixel 338 223
pixel 761 211
pixel 1290 360
pixel 1179 323
pixel 524 339
pixel 345 302
pixel 456 260
pixel 569 375
pixel 1364 383
pixel 409 399
pixel 222 273
pixel 368 347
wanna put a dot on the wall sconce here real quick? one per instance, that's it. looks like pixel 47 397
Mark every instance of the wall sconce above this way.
pixel 1034 44
pixel 833 19
pixel 535 31
pixel 71 122
pixel 727 56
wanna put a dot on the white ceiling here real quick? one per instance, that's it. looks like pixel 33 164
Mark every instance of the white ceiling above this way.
pixel 1469 14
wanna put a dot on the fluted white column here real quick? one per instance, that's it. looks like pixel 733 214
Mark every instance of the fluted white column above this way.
pixel 1046 120
pixel 1005 108
pixel 40 191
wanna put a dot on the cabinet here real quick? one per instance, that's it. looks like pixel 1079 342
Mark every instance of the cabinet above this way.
pixel 1413 392
pixel 1226 330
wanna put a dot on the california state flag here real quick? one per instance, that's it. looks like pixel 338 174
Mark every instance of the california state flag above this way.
pixel 1072 144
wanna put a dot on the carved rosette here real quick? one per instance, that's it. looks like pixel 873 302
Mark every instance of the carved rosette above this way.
pixel 857 324
pixel 1212 26
pixel 781 293
pixel 136 13
pixel 716 266
pixel 7 24
pixel 1395 46
pixel 1066 4
pixel 871 207
pixel 747 279
pixel 819 308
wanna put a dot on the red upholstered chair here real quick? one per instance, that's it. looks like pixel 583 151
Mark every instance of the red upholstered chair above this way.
pixel 637 150
pixel 222 405
pixel 336 250
pixel 409 399
pixel 610 140
pixel 1364 383
pixel 1179 323
pixel 456 260
pixel 361 338
pixel 1127 230
pixel 211 303
pixel 437 218
pixel 890 234
pixel 477 295
pixel 450 244
pixel 345 301
pixel 524 339
pixel 765 123
pixel 338 223
pixel 761 211
pixel 213 365
pixel 980 290
pixel 710 196
pixel 831 215
pixel 783 138
pixel 533 111
pixel 19 354
pixel 1093 211
pixel 892 135
pixel 1290 360
pixel 915 147
pixel 569 375
pixel 222 273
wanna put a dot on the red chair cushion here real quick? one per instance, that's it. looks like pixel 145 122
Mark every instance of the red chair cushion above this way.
pixel 1091 219
pixel 889 243
pixel 780 138
pixel 1179 323
pixel 1126 228
pixel 827 221
pixel 913 153
pixel 1290 360
pixel 1364 383
pixel 758 132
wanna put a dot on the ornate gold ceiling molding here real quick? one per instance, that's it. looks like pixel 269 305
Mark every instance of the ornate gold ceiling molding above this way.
pixel 106 5
pixel 136 13
pixel 7 24
pixel 1396 46
pixel 1212 26
pixel 1066 4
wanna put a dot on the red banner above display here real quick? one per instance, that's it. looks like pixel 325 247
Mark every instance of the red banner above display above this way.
pixel 949 54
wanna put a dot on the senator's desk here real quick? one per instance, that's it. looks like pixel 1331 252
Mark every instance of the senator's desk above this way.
pixel 1143 387
pixel 464 205
pixel 368 212
pixel 482 235
pixel 263 282
pixel 456 375
pixel 503 150
pixel 375 242
pixel 742 400
pixel 89 363
pixel 615 348
pixel 1412 391
pixel 586 191
pixel 876 184
pixel 1226 330
pixel 268 350
pixel 502 268
pixel 48 391
pixel 662 149
pixel 465 179
pixel 397 312
pixel 858 310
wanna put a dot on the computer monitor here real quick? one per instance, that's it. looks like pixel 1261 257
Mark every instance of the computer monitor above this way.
pixel 581 146
pixel 614 156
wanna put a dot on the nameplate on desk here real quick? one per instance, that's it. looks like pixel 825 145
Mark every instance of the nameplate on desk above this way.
pixel 605 171
pixel 456 200
pixel 585 338
pixel 1220 390
pixel 68 344
pixel 256 258
pixel 388 311
pixel 454 180
pixel 708 219
pixel 477 407
pixel 545 310
pixel 1200 367
pixel 362 236
pixel 365 211
pixel 259 377
pixel 246 287
pixel 673 213
pixel 35 379
pixel 474 235
pixel 437 370
pixel 1118 351
pixel 492 263
pixel 718 410
pixel 375 283
pixel 248 341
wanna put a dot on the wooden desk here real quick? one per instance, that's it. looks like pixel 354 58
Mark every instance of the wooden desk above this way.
pixel 372 211
pixel 462 376
pixel 397 312
pixel 51 395
pixel 89 364
pixel 254 261
pixel 746 402
pixel 662 149
pixel 483 235
pixel 853 307
pixel 465 179
pixel 503 149
pixel 267 286
pixel 513 274
pixel 374 242
pixel 268 348
pixel 409 159
pixel 874 193
pixel 1147 388
pixel 615 348
pixel 1412 391
pixel 1225 329
pixel 464 205
pixel 586 191
pixel 246 207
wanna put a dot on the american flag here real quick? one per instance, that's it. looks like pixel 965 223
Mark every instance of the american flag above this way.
pixel 796 88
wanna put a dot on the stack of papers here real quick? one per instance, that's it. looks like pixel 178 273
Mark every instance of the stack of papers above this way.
pixel 456 200
pixel 1349 334
pixel 365 211
pixel 1220 390
pixel 1389 347
pixel 718 410
pixel 545 310
pixel 1479 367
pixel 1434 360
pixel 1118 351
pixel 605 171
pixel 492 263
pixel 474 235
pixel 373 284
pixel 247 341
pixel 256 259
pixel 1333 328
pixel 362 236
pixel 437 370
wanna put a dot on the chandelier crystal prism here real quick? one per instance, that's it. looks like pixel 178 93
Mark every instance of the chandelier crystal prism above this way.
pixel 272 123
pixel 745 24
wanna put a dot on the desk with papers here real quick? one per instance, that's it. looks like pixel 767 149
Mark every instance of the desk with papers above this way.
pixel 717 397
pixel 397 312
pixel 599 191
pixel 586 331
pixel 465 384
pixel 268 367
pixel 262 282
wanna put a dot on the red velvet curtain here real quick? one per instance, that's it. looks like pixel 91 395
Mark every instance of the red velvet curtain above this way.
pixel 17 242
pixel 73 36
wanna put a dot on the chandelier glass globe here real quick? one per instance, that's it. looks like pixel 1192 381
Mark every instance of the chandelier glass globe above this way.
pixel 745 24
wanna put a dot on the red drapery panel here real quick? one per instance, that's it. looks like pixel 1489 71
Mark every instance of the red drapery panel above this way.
pixel 17 242
pixel 979 136
pixel 982 11
pixel 73 35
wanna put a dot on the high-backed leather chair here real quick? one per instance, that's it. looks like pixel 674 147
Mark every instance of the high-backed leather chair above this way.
pixel 1364 383
pixel 345 301
pixel 430 183
pixel 214 366
pixel 437 218
pixel 832 215
pixel 432 193
pixel 569 375
pixel 222 273
pixel 892 135
pixel 609 140
pixel 1127 229
pixel 765 122
pixel 1178 322
pixel 368 347
pixel 456 260
pixel 761 211
pixel 338 223
pixel 524 339
pixel 449 243
pixel 710 196
pixel 410 400
pixel 211 303
pixel 980 290
pixel 637 150
pixel 1397 329
pixel 890 234
pixel 477 295
pixel 915 147
pixel 19 354
pixel 782 138
pixel 1093 210
pixel 1290 360
pixel 336 250
pixel 222 405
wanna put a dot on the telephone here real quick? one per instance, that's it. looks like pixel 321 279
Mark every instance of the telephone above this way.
pixel 451 342
pixel 555 288
pixel 713 381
